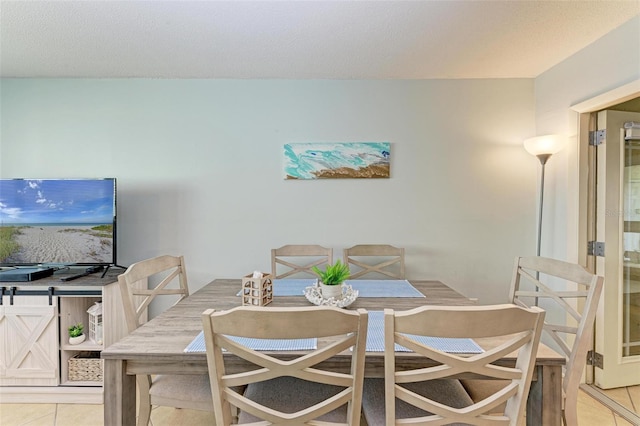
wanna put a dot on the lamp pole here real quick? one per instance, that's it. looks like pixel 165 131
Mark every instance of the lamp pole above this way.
pixel 543 160
pixel 543 147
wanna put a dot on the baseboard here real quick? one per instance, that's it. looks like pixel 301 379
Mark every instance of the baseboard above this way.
pixel 51 395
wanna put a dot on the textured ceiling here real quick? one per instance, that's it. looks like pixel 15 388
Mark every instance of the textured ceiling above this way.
pixel 299 39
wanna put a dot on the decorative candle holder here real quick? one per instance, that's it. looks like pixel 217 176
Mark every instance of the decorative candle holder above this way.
pixel 95 322
pixel 257 291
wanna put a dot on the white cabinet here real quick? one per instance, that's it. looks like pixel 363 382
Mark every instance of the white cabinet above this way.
pixel 29 342
pixel 34 339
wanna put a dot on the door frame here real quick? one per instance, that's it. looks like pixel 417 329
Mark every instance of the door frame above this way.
pixel 587 162
pixel 586 203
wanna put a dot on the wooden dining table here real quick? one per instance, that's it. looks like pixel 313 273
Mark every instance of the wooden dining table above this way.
pixel 158 347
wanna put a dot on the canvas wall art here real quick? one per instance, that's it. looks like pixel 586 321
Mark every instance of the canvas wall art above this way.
pixel 349 160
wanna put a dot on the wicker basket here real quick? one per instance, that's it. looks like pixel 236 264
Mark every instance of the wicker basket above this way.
pixel 85 367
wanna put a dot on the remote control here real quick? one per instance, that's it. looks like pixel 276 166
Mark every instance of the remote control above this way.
pixel 88 271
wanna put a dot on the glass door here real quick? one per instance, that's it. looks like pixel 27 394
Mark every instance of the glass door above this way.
pixel 631 244
pixel 618 226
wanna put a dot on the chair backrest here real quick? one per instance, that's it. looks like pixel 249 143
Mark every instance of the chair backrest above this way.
pixel 567 286
pixel 345 329
pixel 166 274
pixel 503 330
pixel 375 260
pixel 288 256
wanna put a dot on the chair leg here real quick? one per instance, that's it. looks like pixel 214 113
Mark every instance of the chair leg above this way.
pixel 570 418
pixel 235 412
pixel 144 405
pixel 570 411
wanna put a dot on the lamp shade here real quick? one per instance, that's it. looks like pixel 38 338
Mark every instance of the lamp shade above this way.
pixel 541 145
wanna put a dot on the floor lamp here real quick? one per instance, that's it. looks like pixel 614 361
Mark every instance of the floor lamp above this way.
pixel 543 147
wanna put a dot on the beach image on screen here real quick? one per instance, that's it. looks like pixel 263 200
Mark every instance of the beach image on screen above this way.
pixel 57 221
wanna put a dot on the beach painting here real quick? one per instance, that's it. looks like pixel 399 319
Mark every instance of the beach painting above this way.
pixel 349 160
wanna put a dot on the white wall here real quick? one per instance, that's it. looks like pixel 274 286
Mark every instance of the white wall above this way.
pixel 199 168
pixel 608 63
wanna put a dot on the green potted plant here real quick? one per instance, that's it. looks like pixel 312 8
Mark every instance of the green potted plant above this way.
pixel 76 334
pixel 332 278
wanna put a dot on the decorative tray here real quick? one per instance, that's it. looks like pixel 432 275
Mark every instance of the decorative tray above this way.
pixel 314 295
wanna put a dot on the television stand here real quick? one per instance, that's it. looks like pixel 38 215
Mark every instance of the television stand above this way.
pixel 41 312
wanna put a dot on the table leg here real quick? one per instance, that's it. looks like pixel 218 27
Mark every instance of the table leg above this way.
pixel 119 394
pixel 544 406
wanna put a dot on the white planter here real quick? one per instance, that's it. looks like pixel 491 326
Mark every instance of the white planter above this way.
pixel 77 340
pixel 328 291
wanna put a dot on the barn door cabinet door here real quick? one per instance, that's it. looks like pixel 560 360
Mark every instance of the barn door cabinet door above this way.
pixel 29 342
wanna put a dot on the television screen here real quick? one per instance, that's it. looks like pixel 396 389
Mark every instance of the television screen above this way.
pixel 58 221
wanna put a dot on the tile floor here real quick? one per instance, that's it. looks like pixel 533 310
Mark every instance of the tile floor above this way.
pixel 591 413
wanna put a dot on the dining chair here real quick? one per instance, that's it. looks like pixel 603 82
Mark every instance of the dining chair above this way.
pixel 139 285
pixel 375 260
pixel 430 392
pixel 574 292
pixel 289 258
pixel 287 389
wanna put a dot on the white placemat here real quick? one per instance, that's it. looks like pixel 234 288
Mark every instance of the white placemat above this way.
pixel 384 288
pixel 291 287
pixel 375 339
pixel 198 345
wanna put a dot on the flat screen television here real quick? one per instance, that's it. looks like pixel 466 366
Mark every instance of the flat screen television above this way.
pixel 57 222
